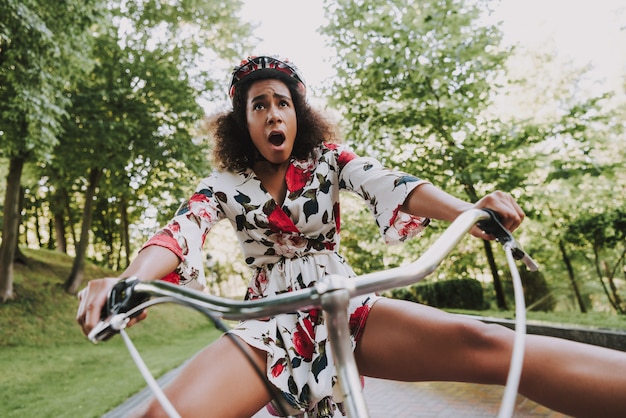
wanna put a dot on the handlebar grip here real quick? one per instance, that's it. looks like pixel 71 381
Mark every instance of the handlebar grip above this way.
pixel 492 226
pixel 122 299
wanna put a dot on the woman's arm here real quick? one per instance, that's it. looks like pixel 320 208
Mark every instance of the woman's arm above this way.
pixel 152 263
pixel 428 201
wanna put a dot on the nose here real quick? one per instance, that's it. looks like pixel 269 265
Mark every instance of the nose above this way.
pixel 273 115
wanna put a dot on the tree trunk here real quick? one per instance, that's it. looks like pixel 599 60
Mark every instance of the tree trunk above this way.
pixel 616 297
pixel 10 227
pixel 75 279
pixel 38 226
pixel 124 233
pixel 57 206
pixel 70 220
pixel 609 296
pixel 51 242
pixel 572 279
pixel 497 283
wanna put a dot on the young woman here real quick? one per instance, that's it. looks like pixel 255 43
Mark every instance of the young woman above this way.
pixel 278 177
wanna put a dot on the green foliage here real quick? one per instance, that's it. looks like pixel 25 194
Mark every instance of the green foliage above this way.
pixel 126 94
pixel 361 242
pixel 445 294
pixel 416 87
pixel 43 46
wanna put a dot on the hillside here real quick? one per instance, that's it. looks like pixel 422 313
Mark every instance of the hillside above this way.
pixel 51 370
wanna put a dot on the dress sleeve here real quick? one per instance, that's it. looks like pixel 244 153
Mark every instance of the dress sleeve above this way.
pixel 385 191
pixel 185 234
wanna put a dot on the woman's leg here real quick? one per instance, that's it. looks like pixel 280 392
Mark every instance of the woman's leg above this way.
pixel 412 342
pixel 219 382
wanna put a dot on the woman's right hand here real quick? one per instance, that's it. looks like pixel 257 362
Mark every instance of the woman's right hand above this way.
pixel 91 300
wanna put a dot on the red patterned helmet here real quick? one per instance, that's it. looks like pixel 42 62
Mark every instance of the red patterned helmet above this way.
pixel 252 64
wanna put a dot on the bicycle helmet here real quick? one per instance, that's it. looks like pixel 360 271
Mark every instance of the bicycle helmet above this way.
pixel 254 63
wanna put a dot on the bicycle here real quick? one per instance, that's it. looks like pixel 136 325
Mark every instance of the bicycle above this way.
pixel 130 296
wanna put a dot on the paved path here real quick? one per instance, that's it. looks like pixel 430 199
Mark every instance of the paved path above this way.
pixel 388 399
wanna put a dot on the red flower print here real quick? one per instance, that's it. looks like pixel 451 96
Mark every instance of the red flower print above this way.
pixel 296 178
pixel 357 321
pixel 279 221
pixel 260 282
pixel 407 225
pixel 345 157
pixel 314 315
pixel 303 339
pixel 174 227
pixel 278 367
pixel 173 277
pixel 198 197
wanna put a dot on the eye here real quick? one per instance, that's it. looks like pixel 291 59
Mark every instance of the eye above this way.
pixel 258 106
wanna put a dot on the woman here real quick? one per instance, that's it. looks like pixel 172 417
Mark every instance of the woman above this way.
pixel 278 180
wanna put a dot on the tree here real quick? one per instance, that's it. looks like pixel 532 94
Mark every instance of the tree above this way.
pixel 43 46
pixel 144 94
pixel 413 80
pixel 416 87
pixel 605 232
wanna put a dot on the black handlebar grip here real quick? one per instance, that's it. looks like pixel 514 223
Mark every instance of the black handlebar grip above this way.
pixel 123 298
pixel 493 227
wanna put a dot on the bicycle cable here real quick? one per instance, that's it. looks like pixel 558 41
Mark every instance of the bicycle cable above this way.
pixel 152 383
pixel 219 324
pixel 517 357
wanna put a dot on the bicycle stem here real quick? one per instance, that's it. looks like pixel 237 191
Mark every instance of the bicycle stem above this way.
pixel 335 308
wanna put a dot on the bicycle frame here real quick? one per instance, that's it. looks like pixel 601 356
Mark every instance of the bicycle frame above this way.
pixel 332 295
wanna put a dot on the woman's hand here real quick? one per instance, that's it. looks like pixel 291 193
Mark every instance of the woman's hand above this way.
pixel 510 213
pixel 92 298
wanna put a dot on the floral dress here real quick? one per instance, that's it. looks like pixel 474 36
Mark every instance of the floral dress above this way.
pixel 291 247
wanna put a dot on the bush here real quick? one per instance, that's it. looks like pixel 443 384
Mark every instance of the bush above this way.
pixel 448 294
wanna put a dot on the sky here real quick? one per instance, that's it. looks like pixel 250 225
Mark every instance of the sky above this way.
pixel 581 31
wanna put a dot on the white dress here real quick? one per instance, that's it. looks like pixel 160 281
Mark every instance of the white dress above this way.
pixel 289 248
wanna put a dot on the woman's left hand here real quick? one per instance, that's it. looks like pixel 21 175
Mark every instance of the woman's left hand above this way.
pixel 510 213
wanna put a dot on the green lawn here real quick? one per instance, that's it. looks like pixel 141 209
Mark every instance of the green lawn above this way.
pixel 49 369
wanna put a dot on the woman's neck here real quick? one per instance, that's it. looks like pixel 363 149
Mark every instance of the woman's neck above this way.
pixel 272 177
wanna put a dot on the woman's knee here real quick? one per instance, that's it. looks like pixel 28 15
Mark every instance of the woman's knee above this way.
pixel 488 337
pixel 487 347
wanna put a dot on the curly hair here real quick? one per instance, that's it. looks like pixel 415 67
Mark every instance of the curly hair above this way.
pixel 233 148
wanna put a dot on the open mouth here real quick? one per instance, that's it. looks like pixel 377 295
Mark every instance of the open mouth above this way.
pixel 277 139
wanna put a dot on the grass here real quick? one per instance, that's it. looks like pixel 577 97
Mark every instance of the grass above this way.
pixel 49 369
pixel 598 320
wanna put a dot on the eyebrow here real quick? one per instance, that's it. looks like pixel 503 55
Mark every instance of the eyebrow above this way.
pixel 275 95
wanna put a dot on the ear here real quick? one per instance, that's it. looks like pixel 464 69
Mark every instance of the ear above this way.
pixel 302 89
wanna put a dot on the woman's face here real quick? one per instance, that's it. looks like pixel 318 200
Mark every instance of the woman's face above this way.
pixel 271 118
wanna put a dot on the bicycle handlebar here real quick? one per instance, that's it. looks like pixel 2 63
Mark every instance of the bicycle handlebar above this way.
pixel 130 293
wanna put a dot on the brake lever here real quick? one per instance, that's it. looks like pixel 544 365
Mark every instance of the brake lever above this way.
pixel 114 317
pixel 492 226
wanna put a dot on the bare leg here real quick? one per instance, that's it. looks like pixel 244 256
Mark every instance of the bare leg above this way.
pixel 219 382
pixel 412 342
